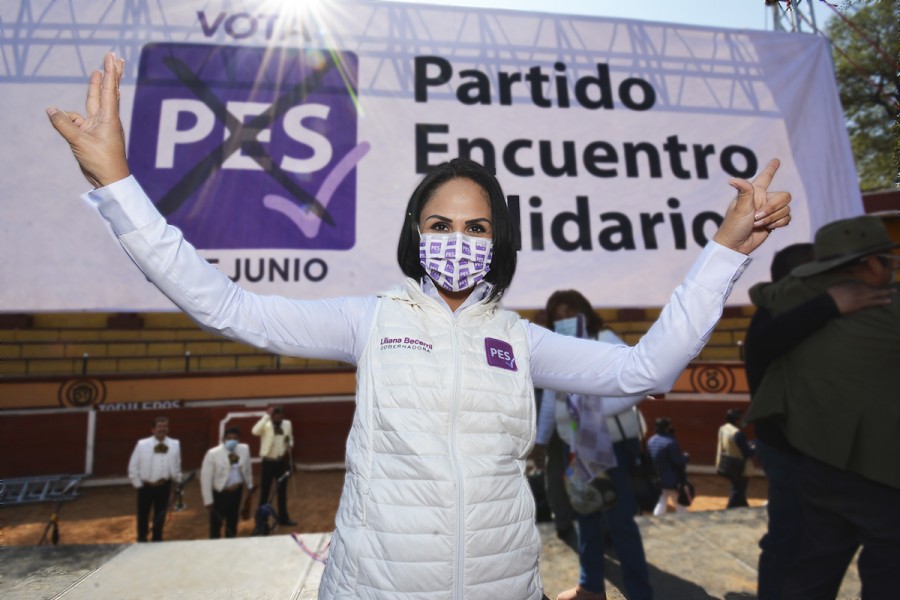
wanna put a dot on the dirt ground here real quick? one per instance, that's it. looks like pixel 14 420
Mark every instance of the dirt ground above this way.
pixel 105 515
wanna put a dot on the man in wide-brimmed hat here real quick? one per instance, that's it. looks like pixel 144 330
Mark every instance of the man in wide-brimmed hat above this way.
pixel 767 339
pixel 850 241
pixel 836 396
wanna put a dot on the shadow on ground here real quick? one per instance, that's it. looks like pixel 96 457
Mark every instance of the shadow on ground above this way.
pixel 691 556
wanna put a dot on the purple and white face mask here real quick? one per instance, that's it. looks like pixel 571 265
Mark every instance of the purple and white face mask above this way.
pixel 455 261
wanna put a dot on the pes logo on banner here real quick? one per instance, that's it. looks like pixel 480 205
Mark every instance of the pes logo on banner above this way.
pixel 249 148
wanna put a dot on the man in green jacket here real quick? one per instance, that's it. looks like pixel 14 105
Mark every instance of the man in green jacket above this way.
pixel 837 398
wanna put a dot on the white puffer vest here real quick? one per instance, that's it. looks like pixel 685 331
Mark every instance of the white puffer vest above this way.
pixel 435 504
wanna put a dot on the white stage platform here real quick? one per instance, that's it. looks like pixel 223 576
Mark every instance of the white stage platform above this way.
pixel 257 568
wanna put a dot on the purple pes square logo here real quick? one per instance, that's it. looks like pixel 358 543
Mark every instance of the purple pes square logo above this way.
pixel 249 148
pixel 500 354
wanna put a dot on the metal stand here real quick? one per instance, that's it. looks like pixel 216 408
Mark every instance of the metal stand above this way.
pixel 47 488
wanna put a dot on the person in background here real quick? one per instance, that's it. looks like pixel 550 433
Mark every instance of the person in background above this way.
pixel 226 471
pixel 834 396
pixel 628 429
pixel 572 314
pixel 435 501
pixel 554 458
pixel 549 455
pixel 732 442
pixel 155 463
pixel 768 337
pixel 275 447
pixel 670 463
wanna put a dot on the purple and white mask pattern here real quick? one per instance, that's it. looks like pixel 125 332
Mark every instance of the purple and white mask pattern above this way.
pixel 455 261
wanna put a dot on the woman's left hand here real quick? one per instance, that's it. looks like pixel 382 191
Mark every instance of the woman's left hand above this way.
pixel 755 213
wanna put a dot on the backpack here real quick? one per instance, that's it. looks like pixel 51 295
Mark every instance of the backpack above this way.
pixel 265 520
pixel 643 475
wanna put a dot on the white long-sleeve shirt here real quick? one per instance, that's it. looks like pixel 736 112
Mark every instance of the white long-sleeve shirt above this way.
pixel 554 414
pixel 337 328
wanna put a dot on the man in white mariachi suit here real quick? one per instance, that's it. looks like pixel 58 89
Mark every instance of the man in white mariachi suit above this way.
pixel 275 446
pixel 226 470
pixel 155 463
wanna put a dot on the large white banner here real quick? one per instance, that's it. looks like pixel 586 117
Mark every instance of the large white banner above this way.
pixel 286 142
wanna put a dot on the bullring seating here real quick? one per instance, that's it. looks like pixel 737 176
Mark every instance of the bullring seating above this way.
pixel 46 344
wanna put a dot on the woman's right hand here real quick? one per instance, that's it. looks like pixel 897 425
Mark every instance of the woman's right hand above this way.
pixel 97 139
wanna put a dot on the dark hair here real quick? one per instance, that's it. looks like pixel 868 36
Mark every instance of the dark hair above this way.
pixel 505 233
pixel 663 425
pixel 277 410
pixel 235 430
pixel 733 416
pixel 592 321
pixel 159 420
pixel 790 257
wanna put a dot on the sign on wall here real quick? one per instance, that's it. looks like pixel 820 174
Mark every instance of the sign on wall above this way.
pixel 285 142
pixel 232 138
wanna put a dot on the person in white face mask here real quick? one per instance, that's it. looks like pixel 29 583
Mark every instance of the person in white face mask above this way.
pixel 435 505
pixel 226 471
pixel 587 425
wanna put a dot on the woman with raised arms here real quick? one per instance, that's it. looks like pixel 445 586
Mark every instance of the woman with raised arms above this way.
pixel 435 504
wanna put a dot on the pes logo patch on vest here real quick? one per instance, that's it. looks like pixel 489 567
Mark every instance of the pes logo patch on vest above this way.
pixel 500 354
pixel 249 148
